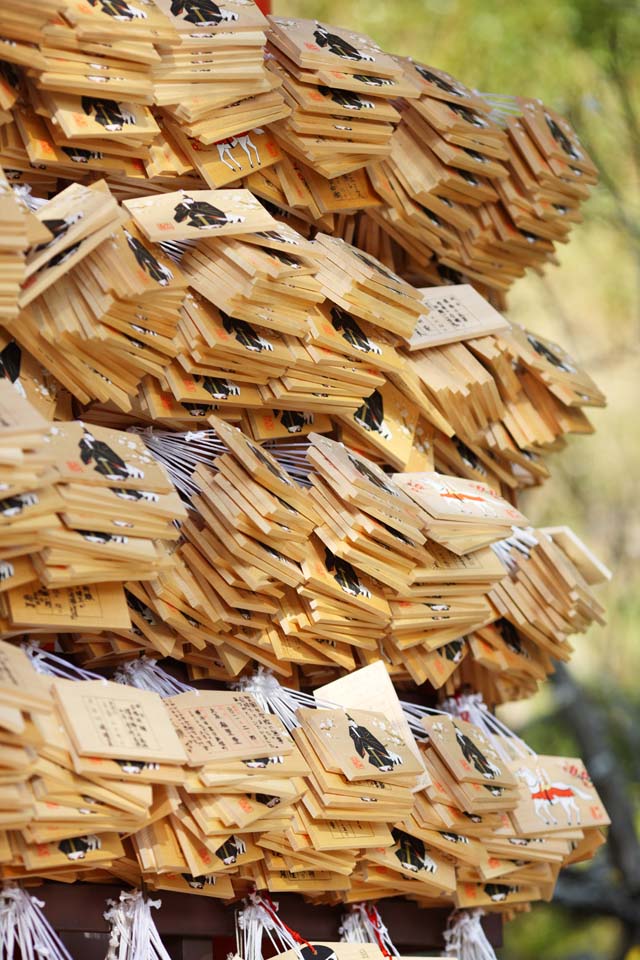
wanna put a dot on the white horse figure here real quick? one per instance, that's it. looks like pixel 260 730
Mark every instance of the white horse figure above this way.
pixel 225 154
pixel 244 140
pixel 546 795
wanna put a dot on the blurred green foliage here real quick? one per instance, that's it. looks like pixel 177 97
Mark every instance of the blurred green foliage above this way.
pixel 581 57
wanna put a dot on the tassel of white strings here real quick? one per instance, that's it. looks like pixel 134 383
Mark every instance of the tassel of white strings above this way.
pixel 258 919
pixel 54 666
pixel 465 938
pixel 363 924
pixel 145 674
pixel 133 934
pixel 274 698
pixel 25 932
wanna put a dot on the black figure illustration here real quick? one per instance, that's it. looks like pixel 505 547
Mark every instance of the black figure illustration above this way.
pixel 110 114
pixel 145 495
pixel 274 235
pixel 135 767
pixel 469 177
pixel 367 745
pixel 286 259
pixel 544 351
pixel 453 651
pixel 105 460
pixel 245 334
pixel 231 849
pixel 271 467
pixel 468 456
pixel 218 387
pixel 60 258
pixel 319 951
pixel 475 155
pixel 59 228
pixel 10 74
pixel 202 214
pixel 80 155
pixel 498 891
pixel 371 415
pixel 561 138
pixel 198 883
pixel 267 800
pixel 412 853
pixel 198 409
pixel 119 9
pixel 365 471
pixel 260 763
pixel 7 570
pixel 374 81
pixel 338 46
pixel 78 847
pixel 352 332
pixel 10 363
pixel 294 420
pixel 373 263
pixel 475 756
pixel 453 837
pixel 156 270
pixel 347 99
pixel 474 817
pixel 468 115
pixel 97 536
pixel 205 13
pixel 493 790
pixel 12 506
pixel 512 638
pixel 437 81
pixel 344 575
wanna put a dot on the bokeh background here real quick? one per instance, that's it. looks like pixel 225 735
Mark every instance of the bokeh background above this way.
pixel 582 57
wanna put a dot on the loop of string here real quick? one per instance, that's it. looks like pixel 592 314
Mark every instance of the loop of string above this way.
pixel 54 666
pixel 465 938
pixel 274 698
pixel 363 924
pixel 182 452
pixel 25 932
pixel 471 707
pixel 145 674
pixel 133 933
pixel 521 541
pixel 258 918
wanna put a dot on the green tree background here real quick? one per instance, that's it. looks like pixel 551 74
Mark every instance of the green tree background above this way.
pixel 582 58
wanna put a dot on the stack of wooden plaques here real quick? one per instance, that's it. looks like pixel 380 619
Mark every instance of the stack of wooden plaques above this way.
pixel 347 424
pixel 339 86
pixel 205 793
pixel 84 509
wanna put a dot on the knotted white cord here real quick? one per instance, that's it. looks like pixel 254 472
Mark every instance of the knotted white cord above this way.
pixel 257 918
pixel 145 674
pixel 363 924
pixel 54 666
pixel 133 934
pixel 465 938
pixel 274 698
pixel 25 932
